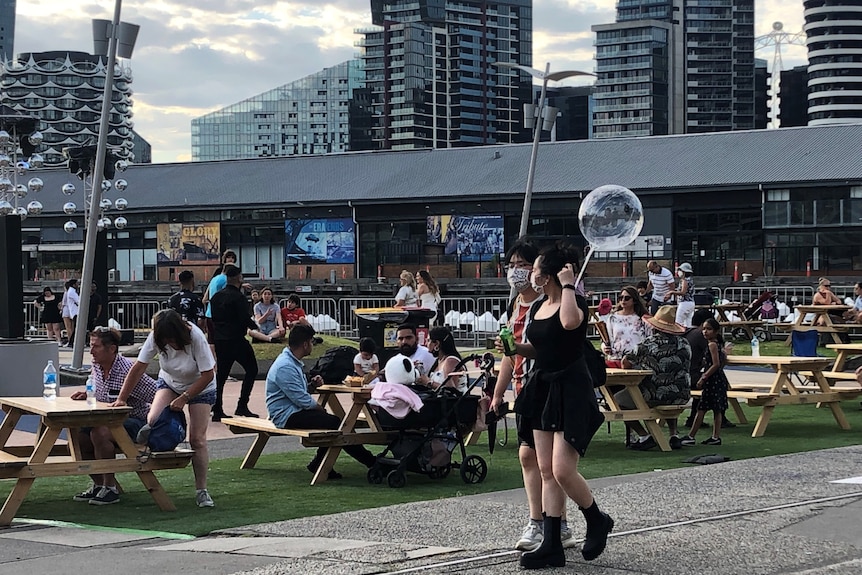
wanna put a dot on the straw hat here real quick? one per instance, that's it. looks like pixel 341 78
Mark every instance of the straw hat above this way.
pixel 665 320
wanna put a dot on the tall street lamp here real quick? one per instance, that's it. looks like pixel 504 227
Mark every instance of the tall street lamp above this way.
pixel 111 38
pixel 538 117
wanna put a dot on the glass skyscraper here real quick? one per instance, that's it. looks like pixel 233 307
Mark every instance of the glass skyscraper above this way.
pixel 7 29
pixel 675 66
pixel 312 115
pixel 431 76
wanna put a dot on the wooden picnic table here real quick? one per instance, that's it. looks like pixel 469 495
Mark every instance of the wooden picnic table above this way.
pixel 649 416
pixel 819 311
pixel 784 392
pixel 845 350
pixel 45 458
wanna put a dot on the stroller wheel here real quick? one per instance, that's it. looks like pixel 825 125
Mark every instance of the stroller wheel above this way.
pixel 396 479
pixel 439 472
pixel 375 475
pixel 473 469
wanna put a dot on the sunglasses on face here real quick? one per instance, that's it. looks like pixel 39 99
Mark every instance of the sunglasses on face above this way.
pixel 624 298
pixel 827 286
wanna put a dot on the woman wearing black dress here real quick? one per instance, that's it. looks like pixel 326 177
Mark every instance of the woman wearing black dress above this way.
pixel 49 305
pixel 557 405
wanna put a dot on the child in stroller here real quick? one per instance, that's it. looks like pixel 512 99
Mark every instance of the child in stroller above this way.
pixel 427 438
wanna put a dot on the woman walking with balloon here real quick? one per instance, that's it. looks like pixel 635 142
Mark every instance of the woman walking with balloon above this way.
pixel 558 408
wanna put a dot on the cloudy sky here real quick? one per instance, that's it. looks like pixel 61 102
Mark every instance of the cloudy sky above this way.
pixel 195 56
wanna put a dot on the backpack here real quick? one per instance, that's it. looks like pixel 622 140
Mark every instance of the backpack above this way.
pixel 334 365
pixel 596 364
pixel 168 431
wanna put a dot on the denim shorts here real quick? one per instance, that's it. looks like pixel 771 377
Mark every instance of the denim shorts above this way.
pixel 207 397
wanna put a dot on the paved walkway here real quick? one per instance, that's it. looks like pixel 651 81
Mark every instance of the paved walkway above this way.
pixel 790 515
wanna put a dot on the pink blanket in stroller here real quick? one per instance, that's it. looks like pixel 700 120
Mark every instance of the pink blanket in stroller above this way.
pixel 397 399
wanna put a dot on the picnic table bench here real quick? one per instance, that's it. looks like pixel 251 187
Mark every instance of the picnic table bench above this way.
pixel 649 416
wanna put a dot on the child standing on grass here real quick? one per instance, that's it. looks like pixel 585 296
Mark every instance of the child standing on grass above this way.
pixel 713 383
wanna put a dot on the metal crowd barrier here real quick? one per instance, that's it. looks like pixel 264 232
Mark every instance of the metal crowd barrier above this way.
pixel 348 323
pixel 134 314
pixel 322 313
pixel 790 295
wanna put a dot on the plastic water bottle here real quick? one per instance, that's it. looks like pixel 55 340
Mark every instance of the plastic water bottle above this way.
pixel 755 347
pixel 49 381
pixel 91 392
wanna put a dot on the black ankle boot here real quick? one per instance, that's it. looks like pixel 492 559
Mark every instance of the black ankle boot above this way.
pixel 599 525
pixel 550 553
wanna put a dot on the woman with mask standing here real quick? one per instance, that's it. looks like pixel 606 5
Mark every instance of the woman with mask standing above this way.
pixel 559 401
pixel 519 265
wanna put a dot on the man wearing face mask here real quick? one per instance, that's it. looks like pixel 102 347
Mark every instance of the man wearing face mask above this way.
pixel 519 264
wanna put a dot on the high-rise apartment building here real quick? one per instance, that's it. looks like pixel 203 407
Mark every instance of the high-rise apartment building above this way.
pixel 793 105
pixel 312 115
pixel 834 30
pixel 762 86
pixel 7 29
pixel 64 90
pixel 431 76
pixel 675 66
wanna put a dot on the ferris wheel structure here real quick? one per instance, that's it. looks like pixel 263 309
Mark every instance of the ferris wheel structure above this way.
pixel 776 40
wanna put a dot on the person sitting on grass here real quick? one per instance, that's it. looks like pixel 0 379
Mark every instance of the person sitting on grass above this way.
pixel 366 360
pixel 714 384
pixel 267 314
pixel 291 406
pixel 292 314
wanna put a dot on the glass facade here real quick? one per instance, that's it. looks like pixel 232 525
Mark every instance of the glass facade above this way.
pixel 431 77
pixel 64 90
pixel 7 29
pixel 309 116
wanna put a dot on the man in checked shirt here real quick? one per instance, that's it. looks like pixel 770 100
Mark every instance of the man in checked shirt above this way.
pixel 108 372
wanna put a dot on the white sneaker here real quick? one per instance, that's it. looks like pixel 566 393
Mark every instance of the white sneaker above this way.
pixel 531 538
pixel 203 498
pixel 567 537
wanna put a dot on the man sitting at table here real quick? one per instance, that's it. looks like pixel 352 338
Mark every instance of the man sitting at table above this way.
pixel 668 355
pixel 108 372
pixel 291 406
pixel 855 314
pixel 408 345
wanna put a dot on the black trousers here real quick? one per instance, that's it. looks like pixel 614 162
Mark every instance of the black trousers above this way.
pixel 228 352
pixel 319 419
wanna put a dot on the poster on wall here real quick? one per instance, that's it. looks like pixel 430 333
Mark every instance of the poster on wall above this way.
pixel 188 244
pixel 328 240
pixel 474 238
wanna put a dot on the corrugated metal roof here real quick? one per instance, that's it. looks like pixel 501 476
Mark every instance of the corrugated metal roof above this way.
pixel 726 159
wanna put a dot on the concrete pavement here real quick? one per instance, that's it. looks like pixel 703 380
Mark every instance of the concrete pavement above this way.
pixel 790 515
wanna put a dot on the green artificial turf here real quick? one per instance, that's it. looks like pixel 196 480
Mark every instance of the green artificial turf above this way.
pixel 278 488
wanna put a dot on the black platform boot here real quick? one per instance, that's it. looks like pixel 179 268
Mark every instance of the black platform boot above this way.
pixel 550 553
pixel 599 525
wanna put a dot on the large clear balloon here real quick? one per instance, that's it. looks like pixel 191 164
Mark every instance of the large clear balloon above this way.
pixel 611 217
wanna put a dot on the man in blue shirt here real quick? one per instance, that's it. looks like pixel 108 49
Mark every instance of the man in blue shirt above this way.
pixel 291 406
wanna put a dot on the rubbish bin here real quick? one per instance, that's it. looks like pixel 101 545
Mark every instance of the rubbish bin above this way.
pixel 381 325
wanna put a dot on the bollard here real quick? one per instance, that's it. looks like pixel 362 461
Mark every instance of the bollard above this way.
pixel 736 271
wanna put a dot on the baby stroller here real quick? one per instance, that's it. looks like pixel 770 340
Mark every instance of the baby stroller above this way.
pixel 764 308
pixel 426 439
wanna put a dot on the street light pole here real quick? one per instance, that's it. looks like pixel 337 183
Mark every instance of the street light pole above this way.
pixel 544 119
pixel 129 31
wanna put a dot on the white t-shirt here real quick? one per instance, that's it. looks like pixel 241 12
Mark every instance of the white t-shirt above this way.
pixel 662 282
pixel 180 368
pixel 423 359
pixel 365 364
pixel 408 295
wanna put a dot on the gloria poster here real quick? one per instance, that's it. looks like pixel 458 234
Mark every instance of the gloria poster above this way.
pixel 188 244
pixel 328 240
pixel 474 238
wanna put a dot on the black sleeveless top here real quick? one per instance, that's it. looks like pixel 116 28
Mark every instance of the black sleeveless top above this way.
pixel 556 347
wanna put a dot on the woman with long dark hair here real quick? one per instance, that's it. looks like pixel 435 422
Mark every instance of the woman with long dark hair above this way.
pixel 557 405
pixel 441 344
pixel 626 327
pixel 186 378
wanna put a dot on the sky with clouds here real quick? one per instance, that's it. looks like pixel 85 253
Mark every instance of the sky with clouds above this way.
pixel 196 56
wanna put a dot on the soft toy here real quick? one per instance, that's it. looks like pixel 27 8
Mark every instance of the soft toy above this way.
pixel 399 369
